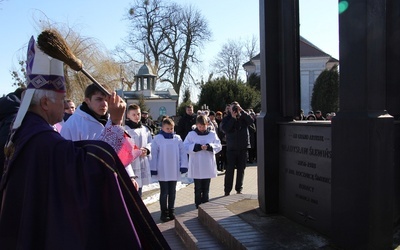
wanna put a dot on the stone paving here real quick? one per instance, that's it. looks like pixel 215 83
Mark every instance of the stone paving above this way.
pixel 184 202
pixel 278 232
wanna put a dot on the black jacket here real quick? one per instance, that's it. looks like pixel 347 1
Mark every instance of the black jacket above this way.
pixel 185 125
pixel 9 106
pixel 236 131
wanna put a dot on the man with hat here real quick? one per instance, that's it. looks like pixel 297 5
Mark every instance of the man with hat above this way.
pixel 148 122
pixel 60 194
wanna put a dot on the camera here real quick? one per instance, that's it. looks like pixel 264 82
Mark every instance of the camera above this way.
pixel 236 109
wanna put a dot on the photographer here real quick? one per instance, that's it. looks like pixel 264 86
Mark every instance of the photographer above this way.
pixel 235 126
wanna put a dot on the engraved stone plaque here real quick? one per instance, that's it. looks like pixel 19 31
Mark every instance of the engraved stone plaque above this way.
pixel 305 174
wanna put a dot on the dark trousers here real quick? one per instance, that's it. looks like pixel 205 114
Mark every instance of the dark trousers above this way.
pixel 221 159
pixel 235 158
pixel 167 192
pixel 201 191
pixel 252 154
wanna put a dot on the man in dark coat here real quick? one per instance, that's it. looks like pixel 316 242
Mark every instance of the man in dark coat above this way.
pixel 148 122
pixel 235 126
pixel 186 122
pixel 9 105
pixel 60 194
pixel 319 116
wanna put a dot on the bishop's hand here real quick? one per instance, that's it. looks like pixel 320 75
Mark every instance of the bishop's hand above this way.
pixel 116 108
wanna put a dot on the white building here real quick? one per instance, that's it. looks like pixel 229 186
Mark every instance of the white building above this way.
pixel 312 62
pixel 158 102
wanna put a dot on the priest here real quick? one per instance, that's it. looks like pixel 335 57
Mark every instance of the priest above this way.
pixel 60 194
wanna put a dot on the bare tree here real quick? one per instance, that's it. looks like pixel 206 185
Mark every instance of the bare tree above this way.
pixel 251 47
pixel 230 59
pixel 233 54
pixel 95 58
pixel 147 36
pixel 169 36
pixel 128 72
pixel 187 95
pixel 18 74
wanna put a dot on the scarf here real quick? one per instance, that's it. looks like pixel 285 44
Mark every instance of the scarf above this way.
pixel 133 124
pixel 166 135
pixel 103 119
pixel 206 132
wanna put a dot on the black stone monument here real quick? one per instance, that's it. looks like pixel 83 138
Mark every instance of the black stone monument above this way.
pixel 364 178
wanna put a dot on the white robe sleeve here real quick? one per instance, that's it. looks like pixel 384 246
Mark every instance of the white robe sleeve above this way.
pixel 216 144
pixel 149 140
pixel 183 155
pixel 154 154
pixel 130 171
pixel 68 134
pixel 189 143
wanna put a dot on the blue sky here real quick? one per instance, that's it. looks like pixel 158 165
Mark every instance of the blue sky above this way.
pixel 227 19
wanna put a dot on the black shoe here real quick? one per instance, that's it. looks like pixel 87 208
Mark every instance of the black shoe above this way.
pixel 226 194
pixel 171 214
pixel 239 192
pixel 164 216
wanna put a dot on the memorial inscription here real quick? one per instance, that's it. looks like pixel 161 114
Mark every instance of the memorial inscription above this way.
pixel 305 174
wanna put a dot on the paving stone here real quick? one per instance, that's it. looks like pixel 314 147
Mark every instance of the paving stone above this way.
pixel 236 212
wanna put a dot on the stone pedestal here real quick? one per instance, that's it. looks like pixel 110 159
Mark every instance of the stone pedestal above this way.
pixel 363 133
pixel 280 89
pixel 362 180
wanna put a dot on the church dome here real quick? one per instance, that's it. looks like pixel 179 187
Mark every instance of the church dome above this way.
pixel 145 71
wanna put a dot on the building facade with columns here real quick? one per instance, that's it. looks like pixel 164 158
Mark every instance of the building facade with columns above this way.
pixel 312 62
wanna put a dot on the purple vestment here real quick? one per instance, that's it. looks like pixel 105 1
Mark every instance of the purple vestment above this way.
pixel 59 194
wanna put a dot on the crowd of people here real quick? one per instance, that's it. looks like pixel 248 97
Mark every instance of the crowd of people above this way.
pixel 84 167
pixel 216 141
pixel 314 116
pixel 204 144
pixel 199 145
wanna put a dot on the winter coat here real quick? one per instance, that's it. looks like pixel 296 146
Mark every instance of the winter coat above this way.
pixel 236 131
